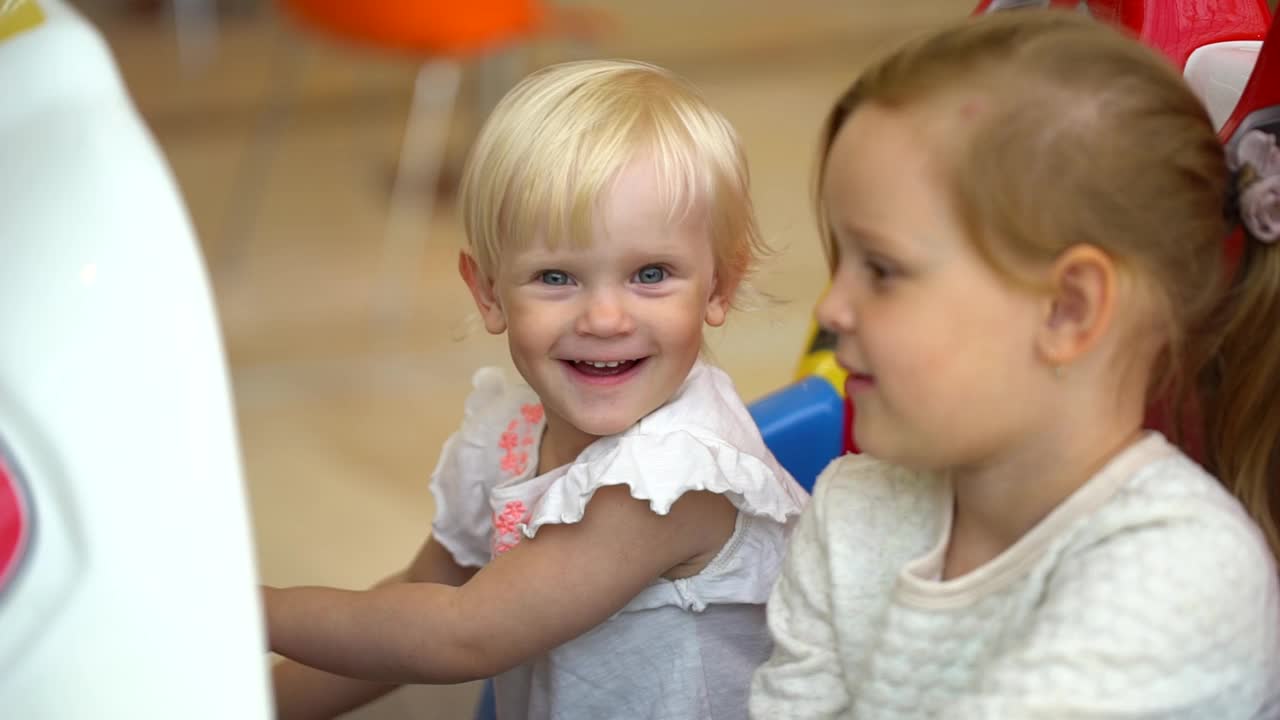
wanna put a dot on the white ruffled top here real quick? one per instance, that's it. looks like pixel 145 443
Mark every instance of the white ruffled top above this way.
pixel 488 499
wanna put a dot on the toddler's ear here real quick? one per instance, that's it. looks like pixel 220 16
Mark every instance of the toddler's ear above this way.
pixel 720 301
pixel 1081 305
pixel 482 291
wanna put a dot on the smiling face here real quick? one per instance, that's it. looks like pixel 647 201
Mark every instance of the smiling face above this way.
pixel 940 348
pixel 606 333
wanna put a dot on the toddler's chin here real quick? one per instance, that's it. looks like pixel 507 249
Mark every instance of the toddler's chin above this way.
pixel 601 427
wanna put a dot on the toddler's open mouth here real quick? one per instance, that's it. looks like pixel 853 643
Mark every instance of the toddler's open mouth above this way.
pixel 604 368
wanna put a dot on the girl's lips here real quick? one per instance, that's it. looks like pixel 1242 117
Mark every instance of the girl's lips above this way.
pixel 858 382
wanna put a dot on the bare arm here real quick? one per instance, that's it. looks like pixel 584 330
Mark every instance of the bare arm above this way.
pixel 544 592
pixel 304 693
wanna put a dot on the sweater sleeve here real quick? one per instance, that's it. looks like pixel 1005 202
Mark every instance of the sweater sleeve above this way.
pixel 1171 619
pixel 802 679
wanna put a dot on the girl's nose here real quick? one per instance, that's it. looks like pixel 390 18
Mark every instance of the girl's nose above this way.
pixel 606 315
pixel 835 310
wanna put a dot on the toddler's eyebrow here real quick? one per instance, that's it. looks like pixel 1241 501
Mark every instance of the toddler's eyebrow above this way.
pixel 542 255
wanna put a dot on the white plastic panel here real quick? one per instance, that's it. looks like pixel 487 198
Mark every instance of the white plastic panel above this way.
pixel 138 598
pixel 1218 73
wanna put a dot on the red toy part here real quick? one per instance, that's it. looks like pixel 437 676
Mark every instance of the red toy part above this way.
pixel 15 523
pixel 1177 28
pixel 850 445
pixel 1174 27
pixel 1263 89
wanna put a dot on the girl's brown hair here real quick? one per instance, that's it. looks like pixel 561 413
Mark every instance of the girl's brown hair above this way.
pixel 1076 134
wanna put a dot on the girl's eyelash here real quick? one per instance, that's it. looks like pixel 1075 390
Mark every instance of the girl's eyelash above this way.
pixel 879 268
pixel 559 278
pixel 666 271
pixel 542 275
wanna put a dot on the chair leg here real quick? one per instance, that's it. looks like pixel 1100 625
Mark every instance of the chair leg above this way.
pixel 196 26
pixel 413 194
pixel 495 74
pixel 254 168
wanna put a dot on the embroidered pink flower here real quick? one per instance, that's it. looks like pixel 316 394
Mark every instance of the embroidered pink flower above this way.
pixel 506 526
pixel 532 413
pixel 514 463
pixel 1258 160
pixel 512 515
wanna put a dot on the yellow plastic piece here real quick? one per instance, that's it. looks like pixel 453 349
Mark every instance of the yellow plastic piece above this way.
pixel 18 16
pixel 821 361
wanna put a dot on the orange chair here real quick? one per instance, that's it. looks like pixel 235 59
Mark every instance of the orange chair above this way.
pixel 425 28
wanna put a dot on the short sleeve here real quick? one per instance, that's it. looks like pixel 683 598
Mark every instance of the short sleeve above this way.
pixel 661 468
pixel 468 467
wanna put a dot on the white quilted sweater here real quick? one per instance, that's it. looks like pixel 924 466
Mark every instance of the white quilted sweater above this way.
pixel 1147 594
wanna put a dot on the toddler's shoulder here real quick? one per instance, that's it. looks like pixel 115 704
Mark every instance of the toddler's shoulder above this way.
pixel 498 404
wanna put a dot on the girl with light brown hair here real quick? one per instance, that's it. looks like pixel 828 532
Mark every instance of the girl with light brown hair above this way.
pixel 1023 216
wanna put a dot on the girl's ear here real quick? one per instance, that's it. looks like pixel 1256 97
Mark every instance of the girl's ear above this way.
pixel 482 291
pixel 720 300
pixel 1080 307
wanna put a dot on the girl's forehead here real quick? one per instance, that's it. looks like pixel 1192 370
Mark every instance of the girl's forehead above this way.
pixel 883 186
pixel 877 165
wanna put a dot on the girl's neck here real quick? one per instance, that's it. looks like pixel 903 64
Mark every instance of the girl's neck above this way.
pixel 998 502
pixel 561 444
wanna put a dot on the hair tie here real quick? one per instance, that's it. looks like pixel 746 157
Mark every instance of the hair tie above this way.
pixel 1256 187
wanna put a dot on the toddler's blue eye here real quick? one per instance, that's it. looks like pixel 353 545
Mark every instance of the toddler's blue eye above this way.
pixel 651 275
pixel 554 277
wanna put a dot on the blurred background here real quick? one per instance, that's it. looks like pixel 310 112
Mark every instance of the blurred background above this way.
pixel 350 361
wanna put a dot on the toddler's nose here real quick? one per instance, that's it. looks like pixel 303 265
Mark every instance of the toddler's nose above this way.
pixel 606 315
